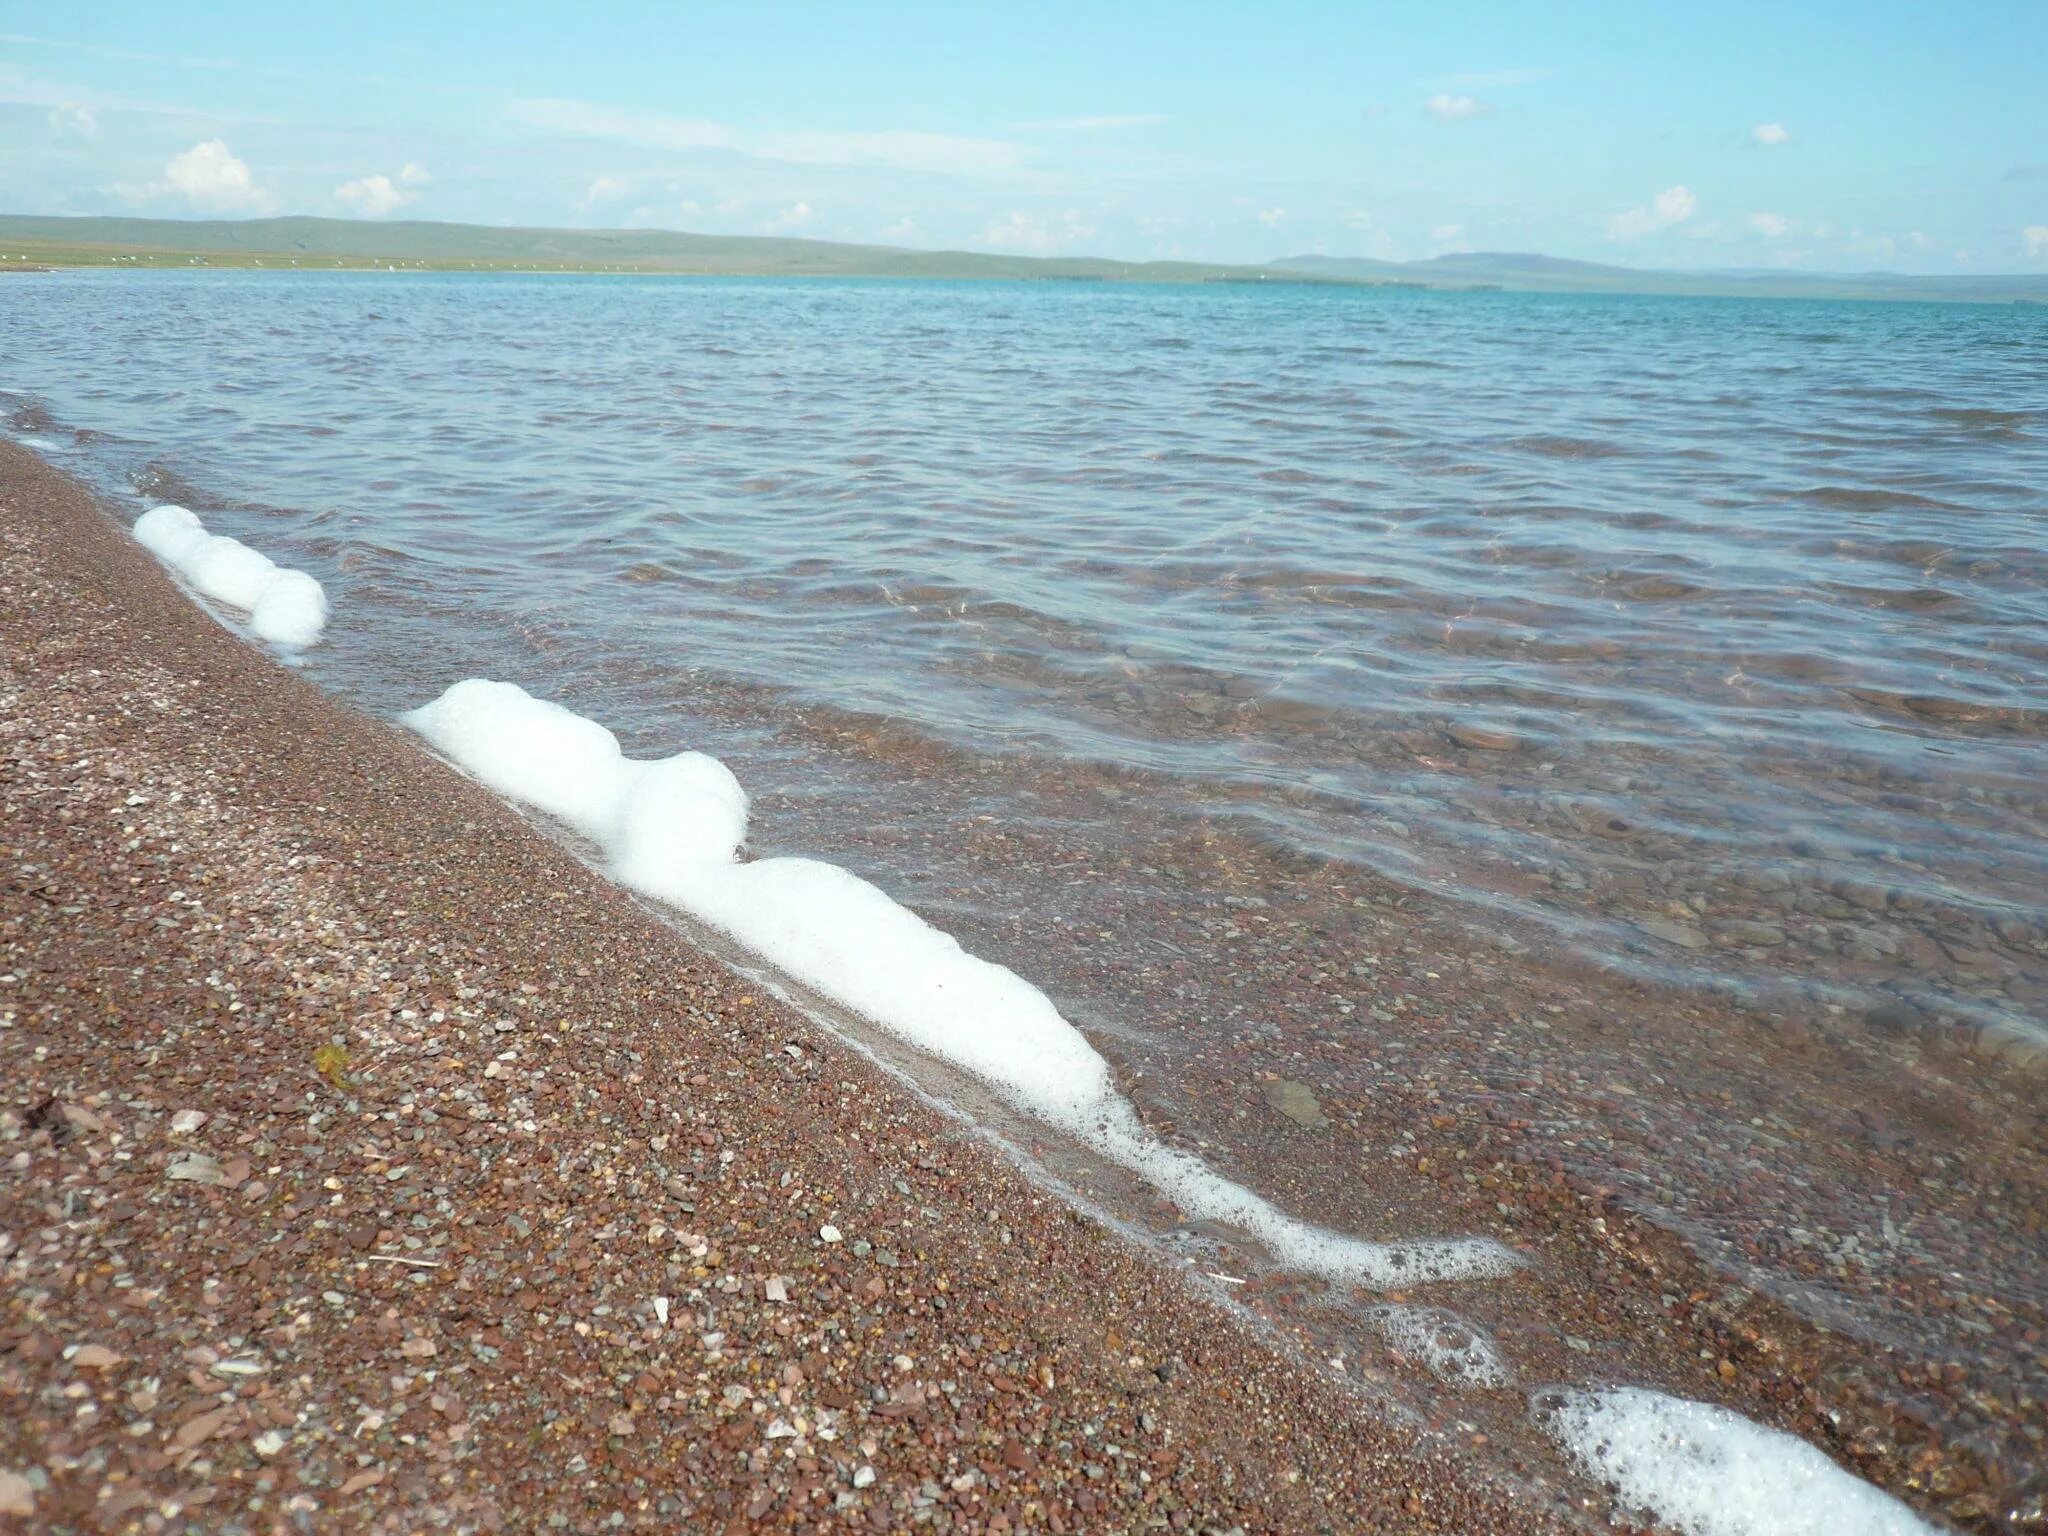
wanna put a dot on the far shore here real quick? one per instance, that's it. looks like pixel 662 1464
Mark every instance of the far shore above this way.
pixel 322 244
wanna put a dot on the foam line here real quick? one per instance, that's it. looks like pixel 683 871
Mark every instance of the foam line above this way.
pixel 672 829
pixel 1708 1471
pixel 287 608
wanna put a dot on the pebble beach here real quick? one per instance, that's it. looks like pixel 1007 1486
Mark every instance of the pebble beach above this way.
pixel 368 1164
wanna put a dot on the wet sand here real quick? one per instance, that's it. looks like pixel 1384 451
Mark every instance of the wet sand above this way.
pixel 470 1114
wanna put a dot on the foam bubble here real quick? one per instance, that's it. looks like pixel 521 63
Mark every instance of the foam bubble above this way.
pixel 1708 1471
pixel 285 607
pixel 1451 1348
pixel 672 829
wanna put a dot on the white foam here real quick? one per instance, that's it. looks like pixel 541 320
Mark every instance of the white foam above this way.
pixel 1707 1471
pixel 1451 1348
pixel 672 829
pixel 287 608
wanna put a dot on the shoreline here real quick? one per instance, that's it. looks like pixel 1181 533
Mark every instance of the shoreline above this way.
pixel 407 1265
pixel 440 833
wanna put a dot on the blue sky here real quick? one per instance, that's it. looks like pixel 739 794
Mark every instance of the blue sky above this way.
pixel 1823 134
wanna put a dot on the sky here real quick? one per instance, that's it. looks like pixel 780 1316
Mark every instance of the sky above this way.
pixel 1821 135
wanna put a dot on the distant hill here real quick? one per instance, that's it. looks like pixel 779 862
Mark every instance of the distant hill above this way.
pixel 355 243
pixel 1526 273
pixel 309 242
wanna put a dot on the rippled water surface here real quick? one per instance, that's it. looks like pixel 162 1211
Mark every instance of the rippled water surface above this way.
pixel 1708 637
pixel 1605 732
pixel 1418 737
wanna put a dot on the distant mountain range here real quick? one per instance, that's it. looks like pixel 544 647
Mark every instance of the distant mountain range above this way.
pixel 1523 273
pixel 330 243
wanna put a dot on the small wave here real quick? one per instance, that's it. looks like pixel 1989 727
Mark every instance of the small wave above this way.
pixel 1983 416
pixel 1946 709
pixel 1659 589
pixel 31 416
pixel 1550 446
pixel 1872 498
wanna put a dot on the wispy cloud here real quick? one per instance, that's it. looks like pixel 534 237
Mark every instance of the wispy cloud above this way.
pixel 20 88
pixel 1272 218
pixel 107 51
pixel 2035 238
pixel 1771 135
pixel 896 149
pixel 1448 107
pixel 1674 205
pixel 74 121
pixel 1775 225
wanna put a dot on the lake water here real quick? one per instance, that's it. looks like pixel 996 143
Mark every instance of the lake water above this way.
pixel 1701 644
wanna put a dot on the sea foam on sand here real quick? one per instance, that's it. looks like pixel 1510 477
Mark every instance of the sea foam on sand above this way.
pixel 285 607
pixel 671 829
pixel 1707 1471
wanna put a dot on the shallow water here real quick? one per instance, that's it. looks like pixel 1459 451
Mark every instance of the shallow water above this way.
pixel 1704 641
pixel 1591 610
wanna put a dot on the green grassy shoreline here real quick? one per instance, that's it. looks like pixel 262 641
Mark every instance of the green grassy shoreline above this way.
pixel 346 244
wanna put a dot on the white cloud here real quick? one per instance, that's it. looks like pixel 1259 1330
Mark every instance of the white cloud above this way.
pixel 1674 205
pixel 594 120
pixel 902 229
pixel 210 177
pixel 70 120
pixel 795 216
pixel 1445 232
pixel 1775 225
pixel 2035 238
pixel 1771 135
pixel 1039 237
pixel 1091 124
pixel 374 197
pixel 1448 108
pixel 1358 218
pixel 1272 218
pixel 413 175
pixel 607 189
